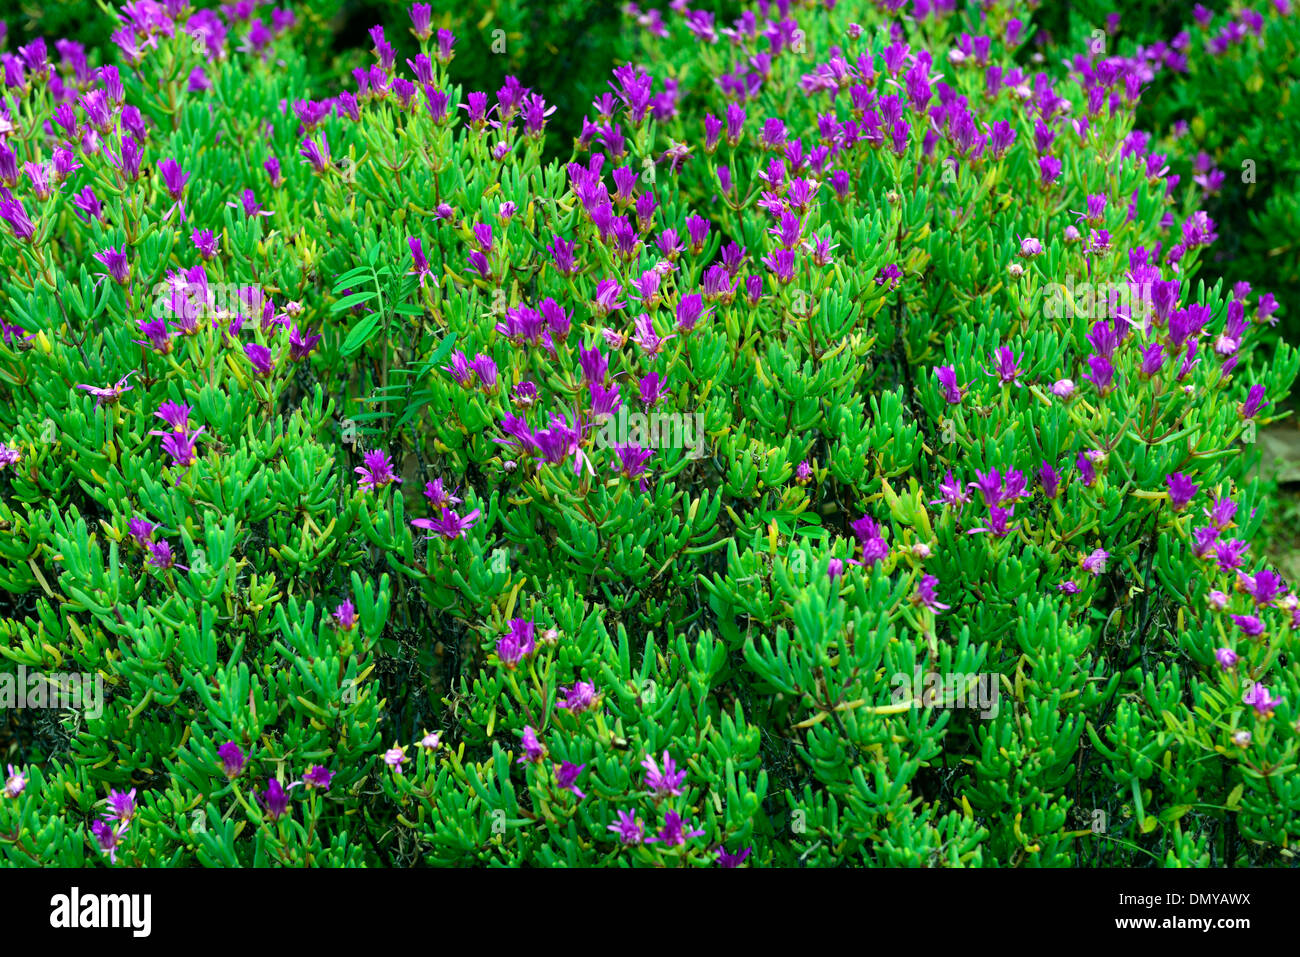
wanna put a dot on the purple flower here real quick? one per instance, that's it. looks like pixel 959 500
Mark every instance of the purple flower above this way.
pixel 1249 625
pixel 1181 490
pixel 274 800
pixel 874 547
pixel 108 394
pixel 1258 698
pixel 175 414
pixel 232 759
pixel 395 757
pixel 15 783
pixel 260 357
pixel 318 777
pixel 518 643
pixel 629 828
pixel 1230 553
pixel 1088 471
pixel 205 241
pixel 1007 366
pixel 450 524
pixel 345 616
pixel 952 392
pixel 689 310
pixel 1049 479
pixel 665 781
pixel 675 830
pixel 174 180
pixel 377 472
pixel 115 262
pixel 581 697
pixel 1254 402
pixel 1095 563
pixel 317 154
pixel 121 806
pixel 301 343
pixel 952 492
pixel 1264 587
pixel 12 212
pixel 729 860
pixel 566 777
pixel 1102 373
pixel 534 750
pixel 107 838
pixel 141 530
pixel 1226 657
pixel 1049 168
pixel 925 595
pixel 417 259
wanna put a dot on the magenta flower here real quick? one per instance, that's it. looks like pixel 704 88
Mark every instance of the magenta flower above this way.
pixel 395 757
pixel 108 394
pixel 438 495
pixel 675 831
pixel 581 697
pixel 260 358
pixel 317 154
pixel 345 616
pixel 518 643
pixel 874 547
pixel 181 447
pixel 1095 563
pixel 1249 625
pixel 952 392
pixel 301 343
pixel 114 260
pixel 1264 587
pixel 1254 402
pixel 121 806
pixel 632 460
pixel 1181 490
pixel 141 530
pixel 232 759
pixel 952 492
pixel 665 781
pixel 449 524
pixel 1007 366
pixel 1226 657
pixel 318 778
pixel 533 748
pixel 566 777
pixel 107 838
pixel 377 472
pixel 15 783
pixel 728 860
pixel 925 595
pixel 1230 553
pixel 629 828
pixel 1258 698
pixel 274 800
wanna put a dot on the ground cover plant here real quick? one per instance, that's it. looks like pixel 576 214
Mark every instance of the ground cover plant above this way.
pixel 839 451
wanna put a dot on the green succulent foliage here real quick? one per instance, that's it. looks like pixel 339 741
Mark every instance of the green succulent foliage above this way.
pixel 715 609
